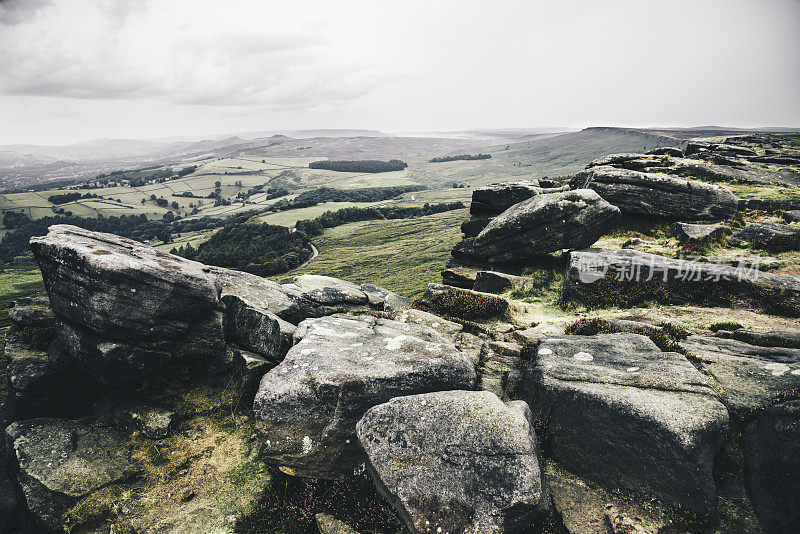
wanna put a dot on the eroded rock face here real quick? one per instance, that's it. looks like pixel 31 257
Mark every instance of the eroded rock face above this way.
pixel 772 460
pixel 641 193
pixel 543 224
pixel 31 311
pixel 307 407
pixel 383 299
pixel 619 410
pixel 119 288
pixel 770 236
pixel 496 198
pixel 456 461
pixel 329 291
pixel 58 461
pixel 699 234
pixel 255 328
pixel 750 377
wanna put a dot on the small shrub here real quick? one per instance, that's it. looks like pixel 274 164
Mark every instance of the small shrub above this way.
pixel 468 305
pixel 724 325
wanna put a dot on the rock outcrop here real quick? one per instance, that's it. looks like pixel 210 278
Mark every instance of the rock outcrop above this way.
pixel 307 407
pixel 540 225
pixel 619 410
pixel 456 461
pixel 774 237
pixel 699 234
pixel 496 198
pixel 653 194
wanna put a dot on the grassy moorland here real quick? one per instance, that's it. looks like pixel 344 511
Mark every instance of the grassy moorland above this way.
pixel 18 281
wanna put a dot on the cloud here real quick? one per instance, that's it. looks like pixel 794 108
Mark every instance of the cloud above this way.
pixel 18 11
pixel 95 49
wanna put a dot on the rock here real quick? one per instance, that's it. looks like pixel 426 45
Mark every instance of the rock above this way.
pixel 497 282
pixel 456 461
pixel 619 160
pixel 777 160
pixel 125 409
pixel 543 224
pixel 327 524
pixel 791 216
pixel 383 299
pixel 766 337
pixel 769 204
pixel 463 303
pixel 749 377
pixel 474 225
pixel 306 408
pixel 256 328
pixel 31 311
pixel 457 275
pixel 629 277
pixel 254 366
pixel 330 291
pixel 653 194
pixel 619 523
pixel 710 171
pixel 261 294
pixel 774 237
pixel 121 289
pixel 699 234
pixel 57 462
pixel 500 368
pixel 608 401
pixel 733 150
pixel 772 467
pixel 695 147
pixel 496 198
pixel 448 329
pixel 667 151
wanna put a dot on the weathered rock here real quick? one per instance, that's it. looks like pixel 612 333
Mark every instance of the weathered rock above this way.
pixel 766 337
pixel 609 401
pixel 383 299
pixel 629 277
pixel 733 150
pixel 496 198
pixel 456 461
pixel 497 282
pixel 769 204
pixel 448 329
pixel 290 304
pixel 127 410
pixel 307 407
pixel 775 159
pixel 663 195
pixel 543 224
pixel 749 377
pixel 57 462
pixel 474 225
pixel 791 216
pixel 463 303
pixel 500 368
pixel 699 234
pixel 772 461
pixel 327 524
pixel 702 169
pixel 31 311
pixel 121 289
pixel 8 506
pixel 619 160
pixel 256 328
pixel 330 291
pixel 458 275
pixel 774 237
pixel 667 151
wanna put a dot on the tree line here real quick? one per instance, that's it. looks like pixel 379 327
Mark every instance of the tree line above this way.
pixel 458 157
pixel 366 165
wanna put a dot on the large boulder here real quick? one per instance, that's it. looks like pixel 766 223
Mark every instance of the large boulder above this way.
pixel 772 467
pixel 307 407
pixel 330 291
pixel 496 198
pixel 31 311
pixel 121 289
pixel 642 193
pixel 543 224
pixel 255 328
pixel 627 277
pixel 57 462
pixel 774 237
pixel 617 409
pixel 456 461
pixel 750 377
pixel 699 234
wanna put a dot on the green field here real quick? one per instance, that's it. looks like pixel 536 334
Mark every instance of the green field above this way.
pixel 18 281
pixel 403 255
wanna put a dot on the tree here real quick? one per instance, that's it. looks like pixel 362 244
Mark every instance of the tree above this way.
pixel 165 236
pixel 168 217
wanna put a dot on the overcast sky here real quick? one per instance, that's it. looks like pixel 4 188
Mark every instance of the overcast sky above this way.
pixel 72 70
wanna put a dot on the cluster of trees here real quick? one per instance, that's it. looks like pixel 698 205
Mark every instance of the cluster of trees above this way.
pixel 272 192
pixel 367 165
pixel 328 194
pixel 260 249
pixel 458 157
pixel 138 227
pixel 330 219
pixel 63 198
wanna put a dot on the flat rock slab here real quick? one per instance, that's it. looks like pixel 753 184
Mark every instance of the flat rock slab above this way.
pixel 119 288
pixel 699 234
pixel 625 277
pixel 329 291
pixel 58 461
pixel 772 466
pixel 618 410
pixel 749 377
pixel 307 407
pixel 541 225
pixel 767 337
pixel 774 237
pixel 456 461
pixel 672 197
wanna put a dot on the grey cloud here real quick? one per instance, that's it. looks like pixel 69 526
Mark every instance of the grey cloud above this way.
pixel 18 11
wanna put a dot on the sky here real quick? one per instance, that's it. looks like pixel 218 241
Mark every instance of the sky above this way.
pixel 72 70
